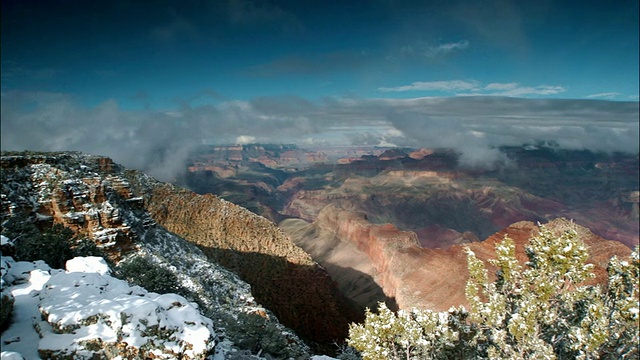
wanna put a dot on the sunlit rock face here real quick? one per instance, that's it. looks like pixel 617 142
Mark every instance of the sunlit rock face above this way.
pixel 103 202
pixel 283 276
pixel 414 276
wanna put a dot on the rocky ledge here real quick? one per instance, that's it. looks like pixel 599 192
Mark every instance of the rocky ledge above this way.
pixel 102 202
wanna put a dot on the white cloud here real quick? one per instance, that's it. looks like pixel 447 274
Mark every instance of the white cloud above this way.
pixel 443 49
pixel 159 142
pixel 529 90
pixel 475 88
pixel 452 85
pixel 422 50
pixel 501 86
pixel 605 95
pixel 245 139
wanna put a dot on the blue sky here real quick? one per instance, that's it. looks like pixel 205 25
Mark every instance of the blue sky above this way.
pixel 242 69
pixel 154 53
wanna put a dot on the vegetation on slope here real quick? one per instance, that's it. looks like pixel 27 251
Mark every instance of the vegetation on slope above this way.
pixel 541 310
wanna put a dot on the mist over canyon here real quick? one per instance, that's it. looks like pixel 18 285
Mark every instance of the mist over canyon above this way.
pixel 159 142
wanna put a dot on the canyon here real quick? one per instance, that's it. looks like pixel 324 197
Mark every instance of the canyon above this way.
pixel 411 275
pixel 428 191
pixel 402 218
pixel 355 227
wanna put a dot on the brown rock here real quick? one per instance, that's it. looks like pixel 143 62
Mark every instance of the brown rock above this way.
pixel 436 278
pixel 284 278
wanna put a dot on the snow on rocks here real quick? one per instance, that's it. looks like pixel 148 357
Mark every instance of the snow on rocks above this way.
pixel 24 280
pixel 5 240
pixel 89 264
pixel 88 313
pixel 11 355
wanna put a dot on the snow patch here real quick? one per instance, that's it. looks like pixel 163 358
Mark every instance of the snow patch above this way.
pixel 85 306
pixel 5 240
pixel 89 264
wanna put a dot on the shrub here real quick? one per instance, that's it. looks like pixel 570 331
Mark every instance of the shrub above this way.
pixel 537 311
pixel 142 272
pixel 53 246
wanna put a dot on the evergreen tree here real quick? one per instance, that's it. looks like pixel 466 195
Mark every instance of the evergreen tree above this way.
pixel 537 310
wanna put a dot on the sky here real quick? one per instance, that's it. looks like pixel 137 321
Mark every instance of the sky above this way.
pixel 145 81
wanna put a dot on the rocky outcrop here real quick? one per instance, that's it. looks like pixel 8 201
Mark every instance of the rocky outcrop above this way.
pixel 87 200
pixel 104 316
pixel 283 277
pixel 431 278
pixel 96 199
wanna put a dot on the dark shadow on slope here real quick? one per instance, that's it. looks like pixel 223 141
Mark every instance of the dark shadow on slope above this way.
pixel 304 298
pixel 360 288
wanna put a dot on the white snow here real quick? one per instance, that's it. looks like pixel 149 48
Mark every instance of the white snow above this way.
pixel 21 337
pixel 88 264
pixel 85 304
pixel 11 355
pixel 4 240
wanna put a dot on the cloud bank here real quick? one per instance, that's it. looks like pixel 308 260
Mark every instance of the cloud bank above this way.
pixel 159 142
pixel 475 88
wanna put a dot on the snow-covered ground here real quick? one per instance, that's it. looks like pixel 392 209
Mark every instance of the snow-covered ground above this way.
pixel 85 310
pixel 223 297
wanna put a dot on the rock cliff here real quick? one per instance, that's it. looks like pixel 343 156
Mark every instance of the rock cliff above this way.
pixel 284 277
pixel 105 203
pixel 420 277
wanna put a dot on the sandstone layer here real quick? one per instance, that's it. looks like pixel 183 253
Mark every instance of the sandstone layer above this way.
pixel 420 277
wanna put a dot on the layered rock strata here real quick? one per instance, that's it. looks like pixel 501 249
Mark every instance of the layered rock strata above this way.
pixel 420 277
pixel 92 196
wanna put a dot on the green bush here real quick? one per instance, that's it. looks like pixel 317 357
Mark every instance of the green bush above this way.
pixel 86 247
pixel 259 334
pixel 539 310
pixel 53 246
pixel 142 272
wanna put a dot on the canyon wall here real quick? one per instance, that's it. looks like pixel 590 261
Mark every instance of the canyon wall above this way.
pixel 92 196
pixel 432 278
pixel 283 277
pixel 123 211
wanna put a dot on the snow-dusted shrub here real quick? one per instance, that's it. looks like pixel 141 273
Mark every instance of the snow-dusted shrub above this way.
pixel 539 310
pixel 53 246
pixel 94 314
pixel 140 271
pixel 261 335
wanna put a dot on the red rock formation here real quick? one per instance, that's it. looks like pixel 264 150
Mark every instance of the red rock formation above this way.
pixel 88 204
pixel 420 153
pixel 435 278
